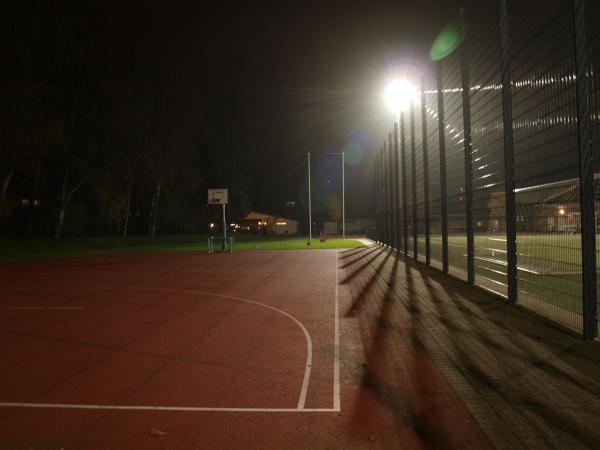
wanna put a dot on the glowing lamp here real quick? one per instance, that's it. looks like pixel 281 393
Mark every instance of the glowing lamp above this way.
pixel 399 94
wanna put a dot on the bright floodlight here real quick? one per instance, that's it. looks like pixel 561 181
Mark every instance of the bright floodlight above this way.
pixel 399 94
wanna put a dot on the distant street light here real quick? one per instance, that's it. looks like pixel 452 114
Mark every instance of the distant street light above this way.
pixel 309 202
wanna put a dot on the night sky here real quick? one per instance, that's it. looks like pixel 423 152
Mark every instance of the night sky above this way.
pixel 282 78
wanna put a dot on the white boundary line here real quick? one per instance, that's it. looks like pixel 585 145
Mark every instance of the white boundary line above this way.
pixel 43 308
pixel 303 390
pixel 301 399
pixel 307 369
pixel 158 408
pixel 336 345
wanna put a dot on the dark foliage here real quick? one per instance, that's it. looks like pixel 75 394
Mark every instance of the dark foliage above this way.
pixel 85 152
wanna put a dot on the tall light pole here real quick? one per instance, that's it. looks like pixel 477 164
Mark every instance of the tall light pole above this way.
pixel 399 96
pixel 309 203
pixel 343 191
pixel 343 199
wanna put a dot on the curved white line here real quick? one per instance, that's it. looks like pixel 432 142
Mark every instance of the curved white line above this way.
pixel 304 389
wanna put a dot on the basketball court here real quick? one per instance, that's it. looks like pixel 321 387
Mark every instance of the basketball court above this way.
pixel 185 350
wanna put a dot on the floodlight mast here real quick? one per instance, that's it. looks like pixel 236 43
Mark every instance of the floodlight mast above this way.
pixel 343 199
pixel 309 203
pixel 224 230
pixel 343 193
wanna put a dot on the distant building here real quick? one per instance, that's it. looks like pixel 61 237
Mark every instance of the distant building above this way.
pixel 269 224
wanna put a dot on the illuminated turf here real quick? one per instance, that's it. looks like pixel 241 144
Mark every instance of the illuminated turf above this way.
pixel 21 249
pixel 549 265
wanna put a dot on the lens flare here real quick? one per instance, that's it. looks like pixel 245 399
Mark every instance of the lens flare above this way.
pixel 446 42
pixel 354 150
pixel 353 154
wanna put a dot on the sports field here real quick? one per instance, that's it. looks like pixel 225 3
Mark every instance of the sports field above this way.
pixel 23 249
pixel 549 269
pixel 254 349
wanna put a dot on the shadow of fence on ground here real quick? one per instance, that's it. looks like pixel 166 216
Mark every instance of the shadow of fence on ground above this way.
pixel 534 375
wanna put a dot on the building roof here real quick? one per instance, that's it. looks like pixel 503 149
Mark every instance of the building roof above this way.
pixel 254 215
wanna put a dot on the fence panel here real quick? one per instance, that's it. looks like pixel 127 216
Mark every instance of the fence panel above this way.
pixel 546 160
pixel 455 169
pixel 395 187
pixel 404 182
pixel 593 32
pixel 391 186
pixel 488 151
pixel 408 172
pixel 419 182
pixel 433 151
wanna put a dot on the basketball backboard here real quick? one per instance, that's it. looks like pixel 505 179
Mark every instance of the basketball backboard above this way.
pixel 217 196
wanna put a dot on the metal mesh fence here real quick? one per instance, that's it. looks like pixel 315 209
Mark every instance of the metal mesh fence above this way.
pixel 546 155
pixel 488 152
pixel 433 152
pixel 388 194
pixel 388 185
pixel 532 70
pixel 593 29
pixel 419 182
pixel 397 162
pixel 393 193
pixel 455 169
pixel 405 122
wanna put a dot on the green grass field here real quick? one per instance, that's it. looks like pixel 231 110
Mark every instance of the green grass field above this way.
pixel 549 267
pixel 26 249
pixel 296 244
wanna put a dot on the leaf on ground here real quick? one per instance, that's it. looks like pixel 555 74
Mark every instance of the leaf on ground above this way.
pixel 156 432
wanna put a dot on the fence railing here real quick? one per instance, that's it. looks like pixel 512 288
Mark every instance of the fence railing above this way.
pixel 493 173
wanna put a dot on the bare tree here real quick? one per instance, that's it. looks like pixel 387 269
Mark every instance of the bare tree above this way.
pixel 29 63
pixel 80 153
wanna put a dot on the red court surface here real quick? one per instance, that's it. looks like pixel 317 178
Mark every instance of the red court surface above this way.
pixel 189 351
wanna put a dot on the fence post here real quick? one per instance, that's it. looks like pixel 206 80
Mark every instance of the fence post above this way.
pixel 388 177
pixel 397 188
pixel 392 183
pixel 391 188
pixel 509 179
pixel 468 147
pixel 442 143
pixel 383 195
pixel 404 187
pixel 376 184
pixel 413 160
pixel 586 177
pixel 386 174
pixel 378 195
pixel 425 173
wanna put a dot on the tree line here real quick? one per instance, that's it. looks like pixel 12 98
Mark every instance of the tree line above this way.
pixel 86 152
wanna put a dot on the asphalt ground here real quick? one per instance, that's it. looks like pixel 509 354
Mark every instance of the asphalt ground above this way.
pixel 279 349
pixel 528 383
